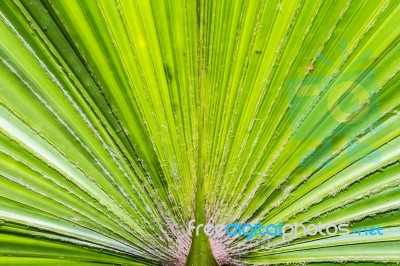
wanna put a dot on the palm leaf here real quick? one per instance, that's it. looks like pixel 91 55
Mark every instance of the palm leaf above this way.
pixel 121 121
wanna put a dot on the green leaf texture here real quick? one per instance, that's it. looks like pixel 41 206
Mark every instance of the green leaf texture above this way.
pixel 122 120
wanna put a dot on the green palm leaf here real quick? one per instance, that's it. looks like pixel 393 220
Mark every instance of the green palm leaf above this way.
pixel 121 121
